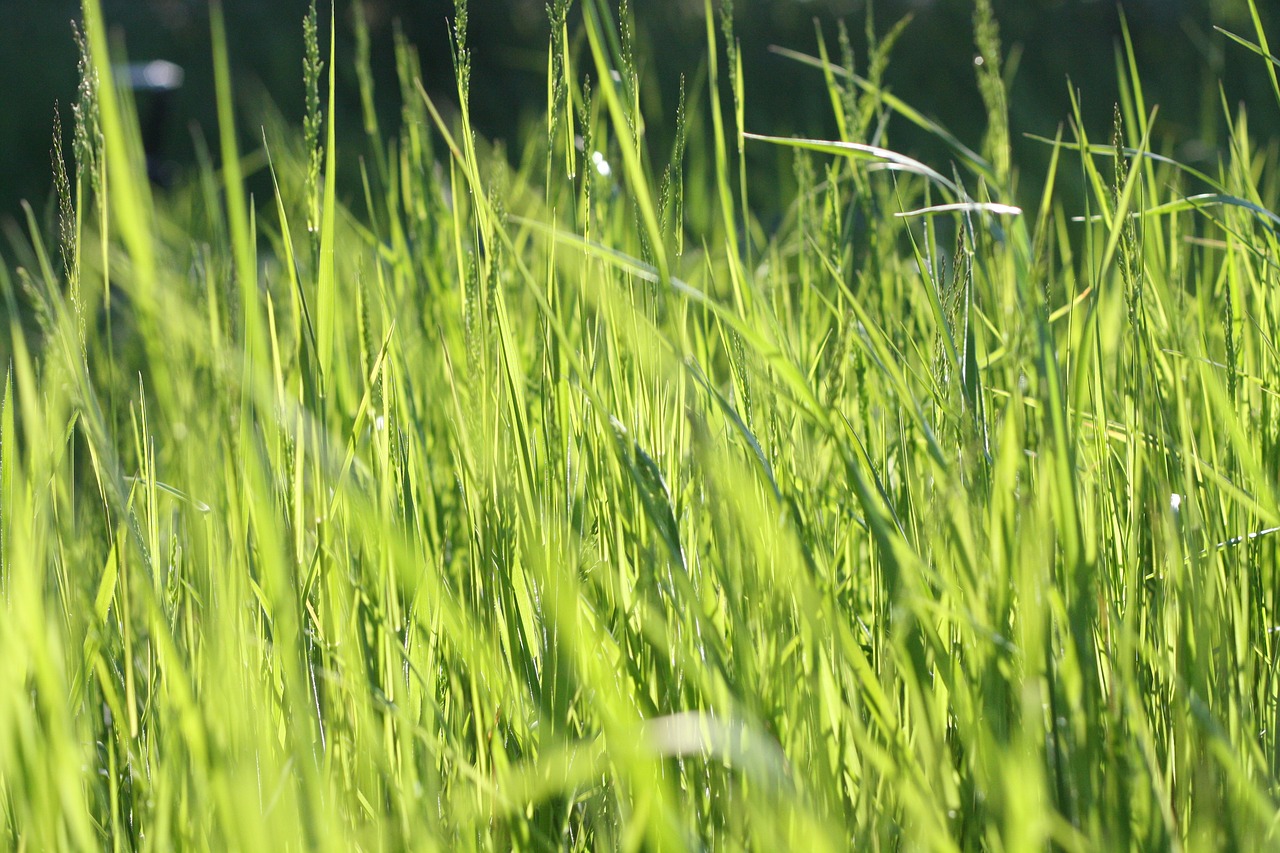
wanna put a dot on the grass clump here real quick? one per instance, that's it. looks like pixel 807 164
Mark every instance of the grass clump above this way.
pixel 556 503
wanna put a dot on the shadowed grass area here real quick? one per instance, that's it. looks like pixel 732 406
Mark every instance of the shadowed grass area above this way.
pixel 553 502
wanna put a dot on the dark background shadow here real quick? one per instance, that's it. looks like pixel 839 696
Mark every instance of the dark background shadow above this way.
pixel 1053 40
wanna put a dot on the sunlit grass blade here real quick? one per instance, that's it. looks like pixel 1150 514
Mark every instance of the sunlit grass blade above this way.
pixel 873 154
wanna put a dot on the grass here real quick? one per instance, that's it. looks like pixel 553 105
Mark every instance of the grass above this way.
pixel 546 499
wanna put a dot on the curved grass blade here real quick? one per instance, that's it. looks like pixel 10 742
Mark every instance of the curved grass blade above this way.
pixel 975 160
pixel 1262 48
pixel 874 153
pixel 1110 151
pixel 1198 202
pixel 964 207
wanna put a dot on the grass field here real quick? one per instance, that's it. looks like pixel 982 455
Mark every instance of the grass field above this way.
pixel 547 499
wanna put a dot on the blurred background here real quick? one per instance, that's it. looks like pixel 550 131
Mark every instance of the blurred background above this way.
pixel 1051 41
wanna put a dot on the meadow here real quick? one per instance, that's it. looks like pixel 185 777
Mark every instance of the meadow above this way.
pixel 554 498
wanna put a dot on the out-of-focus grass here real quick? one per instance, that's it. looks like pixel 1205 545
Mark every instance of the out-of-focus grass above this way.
pixel 563 505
